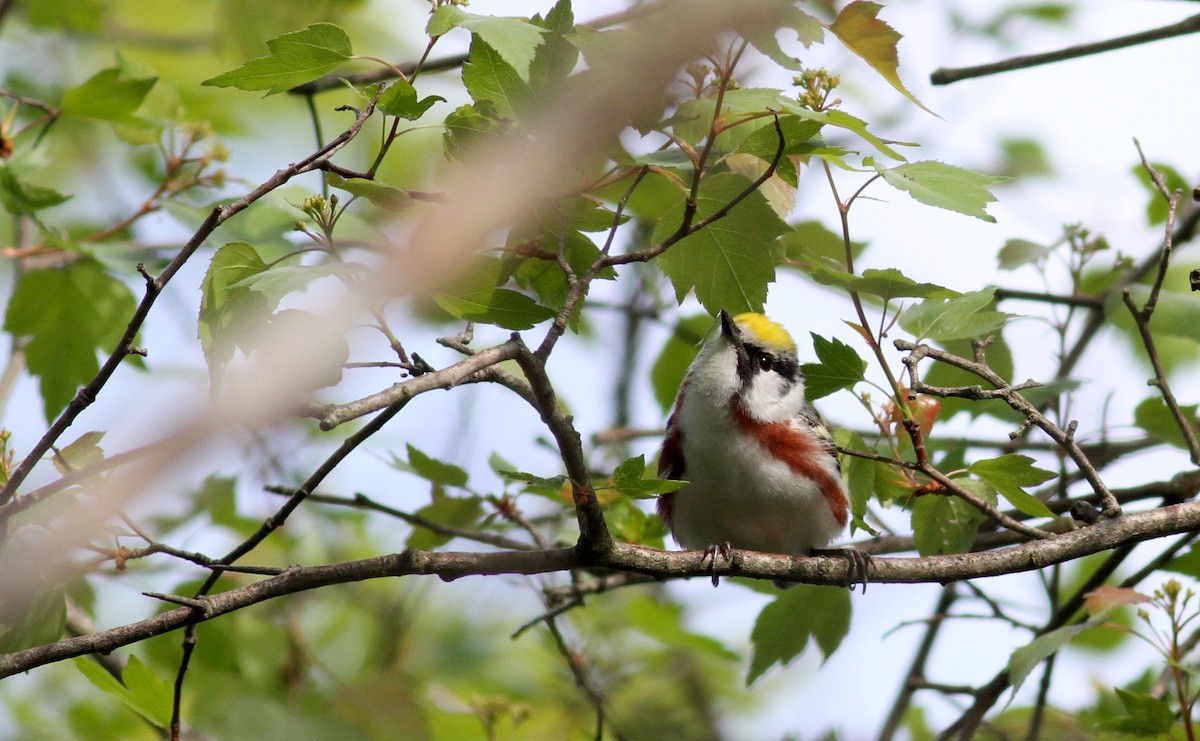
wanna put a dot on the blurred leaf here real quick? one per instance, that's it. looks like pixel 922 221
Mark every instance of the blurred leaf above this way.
pixel 41 621
pixel 1148 716
pixel 432 469
pixel 676 357
pixel 729 262
pixel 400 100
pixel 808 30
pixel 1188 563
pixel 968 316
pixel 514 39
pixel 859 28
pixel 82 453
pixel 839 367
pixel 1010 474
pixel 1019 252
pixel 381 194
pixel 1023 158
pixel 1025 659
pixel 813 244
pixel 1153 417
pixel 1106 598
pixel 467 123
pixel 784 627
pixel 296 58
pixel 24 199
pixel 227 305
pixel 859 474
pixel 108 95
pixel 944 524
pixel 503 308
pixel 944 186
pixel 461 512
pixel 68 314
pixel 886 284
pixel 139 689
pixel 1157 206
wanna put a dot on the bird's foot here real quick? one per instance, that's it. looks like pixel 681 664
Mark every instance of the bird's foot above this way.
pixel 725 551
pixel 858 565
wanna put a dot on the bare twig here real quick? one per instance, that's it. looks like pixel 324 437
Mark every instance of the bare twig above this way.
pixel 946 76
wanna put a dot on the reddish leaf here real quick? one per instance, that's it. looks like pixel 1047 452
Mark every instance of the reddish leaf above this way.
pixel 873 40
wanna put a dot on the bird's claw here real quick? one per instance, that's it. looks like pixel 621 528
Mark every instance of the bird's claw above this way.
pixel 725 551
pixel 858 565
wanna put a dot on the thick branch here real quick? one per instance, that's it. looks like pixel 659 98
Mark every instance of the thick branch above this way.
pixel 830 570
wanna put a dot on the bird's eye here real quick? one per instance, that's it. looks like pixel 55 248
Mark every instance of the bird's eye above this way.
pixel 764 362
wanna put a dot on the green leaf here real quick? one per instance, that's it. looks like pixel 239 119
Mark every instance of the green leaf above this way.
pixel 729 263
pixel 843 120
pixel 281 280
pixel 546 277
pixel 968 316
pixel 676 357
pixel 944 186
pixel 808 30
pixel 557 56
pixel 859 474
pixel 108 95
pixel 859 28
pixel 68 314
pixel 1157 207
pixel 944 524
pixel 82 453
pixel 1148 716
pixel 501 307
pixel 23 199
pixel 839 368
pixel 999 359
pixel 1025 659
pixel 42 621
pixel 811 243
pixel 446 510
pixel 886 284
pixel 228 305
pixel 1153 417
pixel 434 470
pixel 544 486
pixel 629 479
pixel 381 194
pixel 400 100
pixel 296 58
pixel 1020 252
pixel 1010 474
pixel 140 689
pixel 784 627
pixel 488 77
pixel 515 40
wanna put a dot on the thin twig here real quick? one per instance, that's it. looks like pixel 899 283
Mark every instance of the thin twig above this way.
pixel 946 76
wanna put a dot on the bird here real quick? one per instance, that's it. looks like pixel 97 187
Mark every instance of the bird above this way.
pixel 761 466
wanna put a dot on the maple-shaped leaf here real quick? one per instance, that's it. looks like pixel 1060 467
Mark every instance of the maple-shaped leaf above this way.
pixel 859 28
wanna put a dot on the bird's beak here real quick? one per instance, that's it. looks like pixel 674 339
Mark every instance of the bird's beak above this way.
pixel 730 331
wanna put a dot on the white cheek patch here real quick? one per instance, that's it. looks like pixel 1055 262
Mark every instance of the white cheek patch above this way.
pixel 772 398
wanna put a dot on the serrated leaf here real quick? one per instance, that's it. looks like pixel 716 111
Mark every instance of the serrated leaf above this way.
pixel 944 186
pixel 1148 716
pixel 21 198
pixel 488 77
pixel 68 314
pixel 446 510
pixel 550 487
pixel 886 284
pixel 811 244
pixel 629 479
pixel 677 355
pixel 859 474
pixel 82 453
pixel 1025 659
pixel 381 194
pixel 503 308
pixel 110 96
pixel 400 100
pixel 281 280
pixel 556 57
pixel 1009 474
pixel 783 628
pixel 514 39
pixel 859 28
pixel 1019 252
pixel 965 317
pixel 439 472
pixel 839 368
pixel 466 123
pixel 729 263
pixel 808 30
pixel 296 58
pixel 1106 598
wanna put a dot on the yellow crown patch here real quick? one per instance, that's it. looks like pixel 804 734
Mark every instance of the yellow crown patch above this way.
pixel 765 332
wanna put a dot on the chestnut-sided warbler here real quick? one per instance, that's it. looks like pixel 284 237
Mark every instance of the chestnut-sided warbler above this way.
pixel 762 468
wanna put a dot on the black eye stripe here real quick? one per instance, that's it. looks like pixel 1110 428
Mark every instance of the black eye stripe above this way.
pixel 762 361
